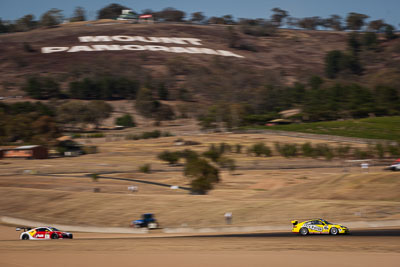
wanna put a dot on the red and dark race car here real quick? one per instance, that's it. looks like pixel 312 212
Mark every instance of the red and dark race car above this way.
pixel 40 233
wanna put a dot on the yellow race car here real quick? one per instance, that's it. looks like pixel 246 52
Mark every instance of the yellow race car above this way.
pixel 318 226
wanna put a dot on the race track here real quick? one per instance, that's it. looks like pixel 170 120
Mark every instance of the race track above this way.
pixel 378 247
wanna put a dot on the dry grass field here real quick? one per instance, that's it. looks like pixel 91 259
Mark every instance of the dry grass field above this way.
pixel 260 191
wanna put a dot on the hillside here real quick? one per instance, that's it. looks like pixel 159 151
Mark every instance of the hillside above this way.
pixel 289 55
pixel 216 74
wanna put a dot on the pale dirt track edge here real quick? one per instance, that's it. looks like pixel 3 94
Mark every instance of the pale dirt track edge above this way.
pixel 231 229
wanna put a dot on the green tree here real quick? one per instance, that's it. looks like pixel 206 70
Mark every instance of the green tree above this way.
pixel 170 14
pixel 287 150
pixel 308 150
pixel 164 112
pixel 125 120
pixel 370 40
pixel 213 153
pixel 278 16
pixel 354 43
pixel 51 18
pixel 170 157
pixel 19 128
pixel 72 114
pixel 351 63
pixel 79 14
pixel 315 82
pixel 5 26
pixel 26 23
pixel 309 23
pixel 260 149
pixel 376 25
pixel 162 91
pixel 389 32
pixel 42 88
pixel 145 102
pixel 332 63
pixel 97 111
pixel 355 21
pixel 197 17
pixel 44 130
pixel 228 163
pixel 112 11
pixel 233 37
pixel 380 150
pixel 203 175
pixel 334 22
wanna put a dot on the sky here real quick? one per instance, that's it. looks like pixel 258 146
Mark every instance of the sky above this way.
pixel 376 9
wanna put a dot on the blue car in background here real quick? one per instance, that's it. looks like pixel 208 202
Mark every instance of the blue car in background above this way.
pixel 147 220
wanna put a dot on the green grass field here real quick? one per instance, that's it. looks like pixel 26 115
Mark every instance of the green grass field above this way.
pixel 373 128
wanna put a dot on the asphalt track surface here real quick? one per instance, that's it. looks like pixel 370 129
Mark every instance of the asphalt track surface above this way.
pixel 366 233
pixel 286 235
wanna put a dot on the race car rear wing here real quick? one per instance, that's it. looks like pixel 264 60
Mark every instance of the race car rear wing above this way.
pixel 25 228
pixel 295 222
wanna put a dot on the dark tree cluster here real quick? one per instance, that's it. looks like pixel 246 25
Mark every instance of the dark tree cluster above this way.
pixel 340 101
pixel 111 11
pixel 104 88
pixel 42 88
pixel 28 123
pixel 77 113
pixel 337 62
pixel 258 27
pixel 170 14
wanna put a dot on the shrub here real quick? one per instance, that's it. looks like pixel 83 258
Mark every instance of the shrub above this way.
pixel 323 150
pixel 132 137
pixel 164 113
pixel 145 168
pixel 170 157
pixel 238 148
pixel 189 154
pixel 94 176
pixel 308 150
pixel 343 151
pixel 223 147
pixel 393 150
pixel 228 163
pixel 213 153
pixel 287 150
pixel 379 150
pixel 125 120
pixel 260 149
pixel 153 134
pixel 360 154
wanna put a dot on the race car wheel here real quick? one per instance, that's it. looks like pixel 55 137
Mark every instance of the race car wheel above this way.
pixel 54 236
pixel 304 231
pixel 334 231
pixel 25 237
